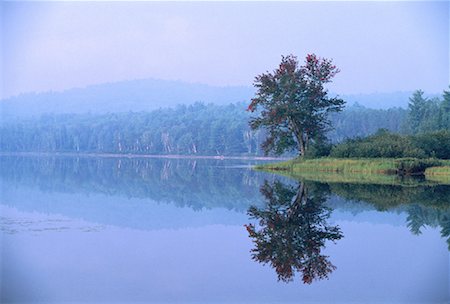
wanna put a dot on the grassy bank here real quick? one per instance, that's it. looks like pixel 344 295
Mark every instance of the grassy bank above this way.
pixel 363 170
pixel 439 173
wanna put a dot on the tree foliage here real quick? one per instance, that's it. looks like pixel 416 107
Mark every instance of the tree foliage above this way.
pixel 444 118
pixel 293 103
pixel 428 114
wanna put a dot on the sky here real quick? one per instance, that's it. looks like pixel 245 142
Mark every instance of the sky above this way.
pixel 378 46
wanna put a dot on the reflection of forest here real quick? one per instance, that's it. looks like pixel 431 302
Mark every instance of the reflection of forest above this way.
pixel 425 205
pixel 209 184
pixel 193 183
pixel 292 230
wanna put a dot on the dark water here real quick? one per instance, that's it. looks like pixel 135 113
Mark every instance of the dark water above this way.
pixel 206 231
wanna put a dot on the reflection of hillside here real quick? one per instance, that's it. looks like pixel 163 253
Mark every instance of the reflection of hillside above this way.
pixel 192 183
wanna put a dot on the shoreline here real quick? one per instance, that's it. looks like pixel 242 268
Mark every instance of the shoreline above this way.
pixel 361 170
pixel 156 156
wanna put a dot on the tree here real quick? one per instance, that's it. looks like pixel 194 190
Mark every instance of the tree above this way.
pixel 417 107
pixel 445 111
pixel 293 103
pixel 423 113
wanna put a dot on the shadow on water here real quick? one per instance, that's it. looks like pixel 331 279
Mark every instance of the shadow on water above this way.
pixel 292 230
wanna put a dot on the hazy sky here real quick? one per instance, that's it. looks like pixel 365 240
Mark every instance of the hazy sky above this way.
pixel 379 46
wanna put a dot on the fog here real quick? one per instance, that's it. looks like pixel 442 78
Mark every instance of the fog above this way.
pixel 379 46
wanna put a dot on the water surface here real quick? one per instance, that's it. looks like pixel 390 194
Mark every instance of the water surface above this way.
pixel 202 231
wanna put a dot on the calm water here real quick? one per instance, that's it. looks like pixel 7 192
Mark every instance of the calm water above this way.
pixel 205 231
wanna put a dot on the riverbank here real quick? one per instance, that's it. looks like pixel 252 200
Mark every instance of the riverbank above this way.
pixel 363 170
pixel 439 174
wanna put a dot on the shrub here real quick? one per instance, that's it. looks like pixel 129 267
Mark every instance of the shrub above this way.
pixel 381 144
pixel 434 144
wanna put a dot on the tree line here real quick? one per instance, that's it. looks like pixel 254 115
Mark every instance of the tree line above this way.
pixel 199 129
pixel 208 129
pixel 426 133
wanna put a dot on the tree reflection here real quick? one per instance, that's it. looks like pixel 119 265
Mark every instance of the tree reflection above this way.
pixel 426 205
pixel 420 216
pixel 292 230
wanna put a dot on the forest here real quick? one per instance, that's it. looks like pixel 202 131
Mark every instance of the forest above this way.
pixel 426 133
pixel 205 129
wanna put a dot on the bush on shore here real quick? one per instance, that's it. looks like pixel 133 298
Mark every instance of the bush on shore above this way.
pixel 388 145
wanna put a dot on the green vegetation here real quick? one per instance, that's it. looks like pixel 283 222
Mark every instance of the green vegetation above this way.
pixel 426 115
pixel 388 145
pixel 387 171
pixel 201 129
pixel 190 130
pixel 439 174
pixel 401 166
pixel 293 105
pixel 197 129
pixel 363 159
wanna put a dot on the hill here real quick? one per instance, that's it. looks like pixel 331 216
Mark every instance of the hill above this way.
pixel 151 94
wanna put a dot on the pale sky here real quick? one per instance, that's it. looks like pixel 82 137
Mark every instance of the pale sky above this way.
pixel 379 46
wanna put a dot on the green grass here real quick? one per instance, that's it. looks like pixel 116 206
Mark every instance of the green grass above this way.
pixel 352 165
pixel 362 170
pixel 438 174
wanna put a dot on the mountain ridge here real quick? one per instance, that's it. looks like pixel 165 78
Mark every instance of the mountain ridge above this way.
pixel 151 94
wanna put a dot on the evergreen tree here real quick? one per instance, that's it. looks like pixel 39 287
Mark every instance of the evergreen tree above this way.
pixel 445 111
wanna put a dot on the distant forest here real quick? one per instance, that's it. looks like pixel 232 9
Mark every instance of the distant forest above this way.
pixel 151 94
pixel 201 129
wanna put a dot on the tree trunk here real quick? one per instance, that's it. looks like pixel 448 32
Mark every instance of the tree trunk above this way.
pixel 299 136
pixel 301 146
pixel 306 141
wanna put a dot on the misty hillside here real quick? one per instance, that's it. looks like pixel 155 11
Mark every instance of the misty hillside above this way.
pixel 151 94
pixel 135 95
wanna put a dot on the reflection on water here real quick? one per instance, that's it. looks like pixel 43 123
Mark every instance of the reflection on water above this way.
pixel 161 226
pixel 292 229
pixel 195 184
pixel 425 205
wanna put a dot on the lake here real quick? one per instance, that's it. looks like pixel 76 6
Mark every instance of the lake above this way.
pixel 124 230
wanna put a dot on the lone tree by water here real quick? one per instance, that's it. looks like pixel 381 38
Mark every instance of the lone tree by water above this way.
pixel 293 103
